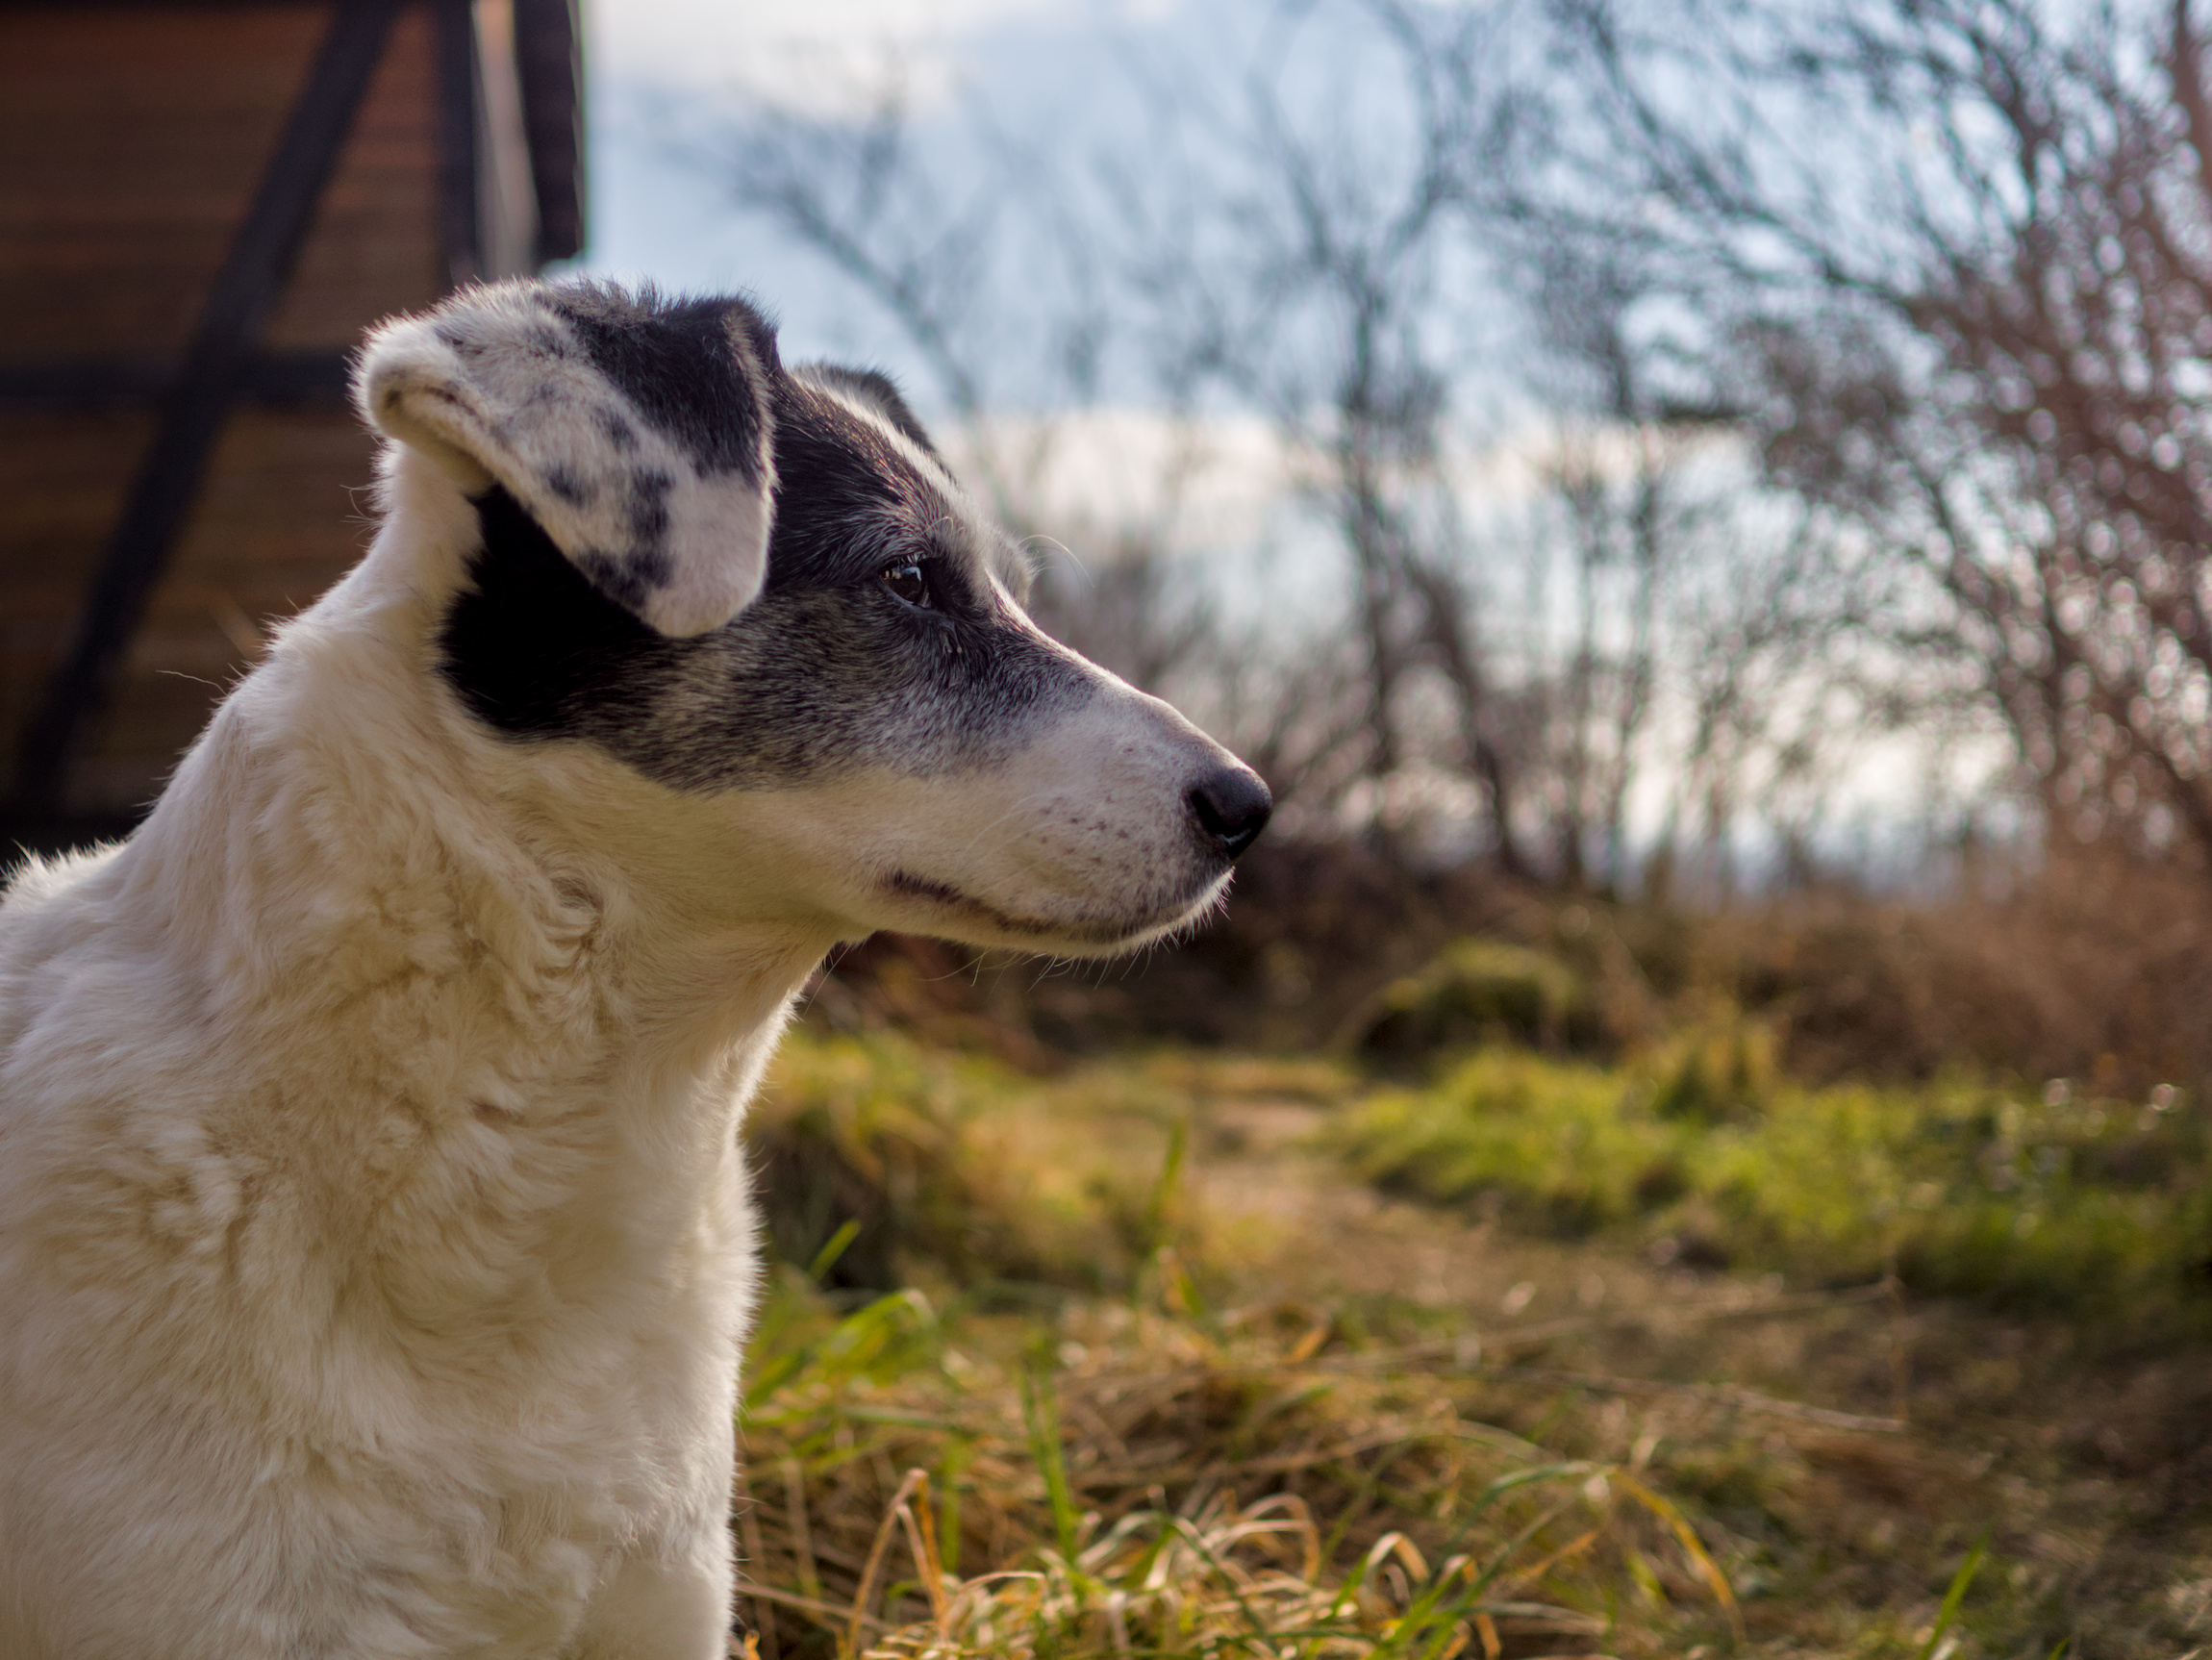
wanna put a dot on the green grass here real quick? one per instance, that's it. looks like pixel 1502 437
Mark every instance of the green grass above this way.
pixel 952 1174
pixel 2047 1198
pixel 1108 1463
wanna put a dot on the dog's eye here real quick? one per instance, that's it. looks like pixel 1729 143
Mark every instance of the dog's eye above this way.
pixel 909 579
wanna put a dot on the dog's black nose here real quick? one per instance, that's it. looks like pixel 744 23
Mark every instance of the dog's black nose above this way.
pixel 1232 806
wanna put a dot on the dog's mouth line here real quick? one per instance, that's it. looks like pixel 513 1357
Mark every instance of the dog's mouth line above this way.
pixel 1083 930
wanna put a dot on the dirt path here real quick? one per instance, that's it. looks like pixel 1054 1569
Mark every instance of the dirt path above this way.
pixel 1847 1446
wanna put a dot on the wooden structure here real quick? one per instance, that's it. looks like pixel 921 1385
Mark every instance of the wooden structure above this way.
pixel 202 205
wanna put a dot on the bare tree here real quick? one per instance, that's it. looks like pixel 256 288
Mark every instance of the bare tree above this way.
pixel 1314 248
pixel 1309 270
pixel 1262 259
pixel 1950 262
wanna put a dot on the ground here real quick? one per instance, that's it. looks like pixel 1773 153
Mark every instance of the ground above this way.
pixel 1295 1413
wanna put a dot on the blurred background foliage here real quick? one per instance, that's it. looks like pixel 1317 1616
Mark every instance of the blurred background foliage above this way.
pixel 1711 493
pixel 1662 446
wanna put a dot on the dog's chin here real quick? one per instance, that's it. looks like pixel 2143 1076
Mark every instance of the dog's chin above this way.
pixel 1060 930
pixel 1137 937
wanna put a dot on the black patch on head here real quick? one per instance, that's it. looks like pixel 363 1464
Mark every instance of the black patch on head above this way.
pixel 849 500
pixel 824 672
pixel 533 635
pixel 678 362
pixel 880 393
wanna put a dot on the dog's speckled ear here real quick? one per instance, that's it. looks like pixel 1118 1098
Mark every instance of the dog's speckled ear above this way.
pixel 636 430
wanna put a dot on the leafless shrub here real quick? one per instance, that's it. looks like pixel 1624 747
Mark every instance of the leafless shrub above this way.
pixel 1950 262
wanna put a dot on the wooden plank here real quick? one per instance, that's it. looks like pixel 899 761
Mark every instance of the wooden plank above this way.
pixel 134 140
pixel 287 377
pixel 60 477
pixel 282 515
pixel 260 257
pixel 373 248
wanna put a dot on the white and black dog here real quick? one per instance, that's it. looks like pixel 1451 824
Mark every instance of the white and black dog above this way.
pixel 375 1243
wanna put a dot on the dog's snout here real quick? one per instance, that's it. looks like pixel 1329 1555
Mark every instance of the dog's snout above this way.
pixel 1232 807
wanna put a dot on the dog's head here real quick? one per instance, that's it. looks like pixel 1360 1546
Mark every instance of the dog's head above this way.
pixel 763 590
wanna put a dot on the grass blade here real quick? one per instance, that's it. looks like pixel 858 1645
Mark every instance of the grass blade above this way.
pixel 1957 1594
pixel 1041 1414
pixel 1692 1546
pixel 833 1247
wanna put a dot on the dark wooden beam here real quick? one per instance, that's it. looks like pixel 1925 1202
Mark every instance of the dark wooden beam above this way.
pixel 297 376
pixel 156 5
pixel 460 235
pixel 170 475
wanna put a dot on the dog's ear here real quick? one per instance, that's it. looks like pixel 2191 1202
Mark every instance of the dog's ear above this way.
pixel 637 432
pixel 872 388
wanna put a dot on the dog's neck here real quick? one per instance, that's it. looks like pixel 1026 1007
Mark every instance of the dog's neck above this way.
pixel 439 1017
pixel 498 918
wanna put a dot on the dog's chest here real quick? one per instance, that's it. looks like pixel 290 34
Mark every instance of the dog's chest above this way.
pixel 452 1410
pixel 511 1468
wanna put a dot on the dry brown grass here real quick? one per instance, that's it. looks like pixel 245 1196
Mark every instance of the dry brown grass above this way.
pixel 2090 967
pixel 1160 1483
pixel 2095 968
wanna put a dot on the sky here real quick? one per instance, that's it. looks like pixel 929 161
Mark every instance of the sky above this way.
pixel 659 68
pixel 661 72
pixel 821 56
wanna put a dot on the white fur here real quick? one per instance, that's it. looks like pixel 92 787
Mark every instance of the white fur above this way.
pixel 375 1248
